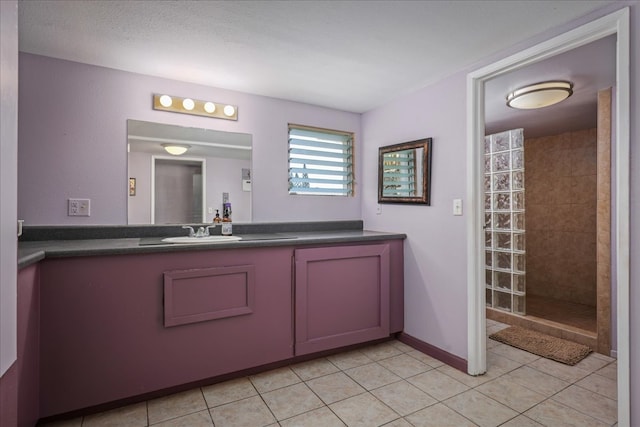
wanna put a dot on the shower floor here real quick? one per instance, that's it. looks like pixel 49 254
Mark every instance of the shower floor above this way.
pixel 562 319
pixel 568 313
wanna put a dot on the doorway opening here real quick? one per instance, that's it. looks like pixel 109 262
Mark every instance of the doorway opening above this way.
pixel 177 190
pixel 615 23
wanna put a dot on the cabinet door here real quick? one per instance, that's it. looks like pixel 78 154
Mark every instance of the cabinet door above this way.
pixel 342 296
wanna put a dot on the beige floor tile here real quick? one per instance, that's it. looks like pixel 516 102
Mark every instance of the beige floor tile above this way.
pixel 480 409
pixel 176 405
pixel 400 422
pixel 401 346
pixel 593 362
pixel 372 376
pixel 466 379
pixel 127 416
pixel 274 379
pixel 497 364
pixel 291 401
pixel 559 370
pixel 537 381
pixel 604 357
pixel 609 371
pixel 322 417
pixel 381 351
pixel 334 387
pixel 601 385
pixel 404 365
pixel 590 403
pixel 350 359
pixel 314 368
pixel 496 328
pixel 438 415
pixel 363 410
pixel 553 414
pixel 511 394
pixel 199 419
pixel 437 385
pixel 404 398
pixel 228 391
pixel 247 412
pixel 425 358
pixel 492 343
pixel 513 353
pixel 521 421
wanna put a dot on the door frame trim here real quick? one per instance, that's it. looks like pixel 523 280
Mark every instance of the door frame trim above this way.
pixel 613 23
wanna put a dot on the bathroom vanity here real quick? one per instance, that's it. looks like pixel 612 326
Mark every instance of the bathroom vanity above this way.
pixel 118 320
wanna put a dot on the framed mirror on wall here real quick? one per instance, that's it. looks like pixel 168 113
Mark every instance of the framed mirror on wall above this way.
pixel 404 172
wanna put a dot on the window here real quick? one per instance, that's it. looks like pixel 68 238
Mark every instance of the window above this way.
pixel 320 161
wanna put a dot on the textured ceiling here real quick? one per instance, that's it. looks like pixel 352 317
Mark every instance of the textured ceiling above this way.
pixel 348 55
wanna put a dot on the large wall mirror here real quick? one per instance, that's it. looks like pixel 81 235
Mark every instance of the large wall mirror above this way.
pixel 404 172
pixel 188 188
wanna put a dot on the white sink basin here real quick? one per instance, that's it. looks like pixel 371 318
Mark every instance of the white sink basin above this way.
pixel 207 239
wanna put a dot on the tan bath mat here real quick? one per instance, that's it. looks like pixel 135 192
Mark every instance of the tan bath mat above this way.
pixel 543 345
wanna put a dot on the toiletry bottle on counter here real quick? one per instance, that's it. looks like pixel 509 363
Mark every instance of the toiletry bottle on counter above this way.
pixel 226 223
pixel 217 219
pixel 226 228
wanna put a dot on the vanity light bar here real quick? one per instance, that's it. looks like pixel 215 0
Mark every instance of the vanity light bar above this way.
pixel 194 106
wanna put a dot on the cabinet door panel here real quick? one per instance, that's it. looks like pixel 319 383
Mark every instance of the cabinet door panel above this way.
pixel 342 296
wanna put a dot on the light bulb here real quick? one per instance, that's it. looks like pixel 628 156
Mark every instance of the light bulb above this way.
pixel 229 110
pixel 188 104
pixel 166 101
pixel 209 107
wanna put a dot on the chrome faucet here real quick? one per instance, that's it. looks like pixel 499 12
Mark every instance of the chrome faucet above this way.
pixel 202 231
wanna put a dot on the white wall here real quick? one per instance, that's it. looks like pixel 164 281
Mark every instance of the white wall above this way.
pixel 8 180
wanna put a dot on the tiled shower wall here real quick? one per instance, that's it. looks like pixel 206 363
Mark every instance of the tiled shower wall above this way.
pixel 560 172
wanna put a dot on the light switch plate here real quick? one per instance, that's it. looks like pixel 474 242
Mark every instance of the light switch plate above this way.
pixel 457 207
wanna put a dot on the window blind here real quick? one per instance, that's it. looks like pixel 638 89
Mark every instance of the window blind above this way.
pixel 320 162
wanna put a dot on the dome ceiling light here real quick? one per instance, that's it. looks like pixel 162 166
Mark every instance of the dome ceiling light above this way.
pixel 176 149
pixel 540 95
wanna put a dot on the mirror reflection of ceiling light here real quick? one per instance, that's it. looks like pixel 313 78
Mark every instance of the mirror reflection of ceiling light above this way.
pixel 176 149
pixel 540 95
pixel 196 107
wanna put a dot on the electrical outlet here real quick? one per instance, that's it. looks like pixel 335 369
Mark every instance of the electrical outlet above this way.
pixel 79 207
pixel 378 210
pixel 210 210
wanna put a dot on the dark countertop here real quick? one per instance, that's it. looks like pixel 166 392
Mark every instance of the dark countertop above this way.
pixel 30 252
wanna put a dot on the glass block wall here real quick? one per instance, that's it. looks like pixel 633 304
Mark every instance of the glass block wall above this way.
pixel 504 221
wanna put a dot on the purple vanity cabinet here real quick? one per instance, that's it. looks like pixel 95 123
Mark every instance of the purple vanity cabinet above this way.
pixel 342 296
pixel 114 327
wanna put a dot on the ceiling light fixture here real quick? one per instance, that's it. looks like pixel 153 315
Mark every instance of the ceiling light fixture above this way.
pixel 540 95
pixel 196 107
pixel 176 149
pixel 188 104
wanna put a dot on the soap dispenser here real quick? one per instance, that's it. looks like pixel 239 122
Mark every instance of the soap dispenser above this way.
pixel 217 219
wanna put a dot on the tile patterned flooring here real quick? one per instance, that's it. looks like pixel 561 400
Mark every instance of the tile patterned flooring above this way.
pixel 392 385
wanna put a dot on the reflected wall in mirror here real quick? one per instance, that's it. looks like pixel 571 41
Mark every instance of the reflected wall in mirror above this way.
pixel 404 172
pixel 186 188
